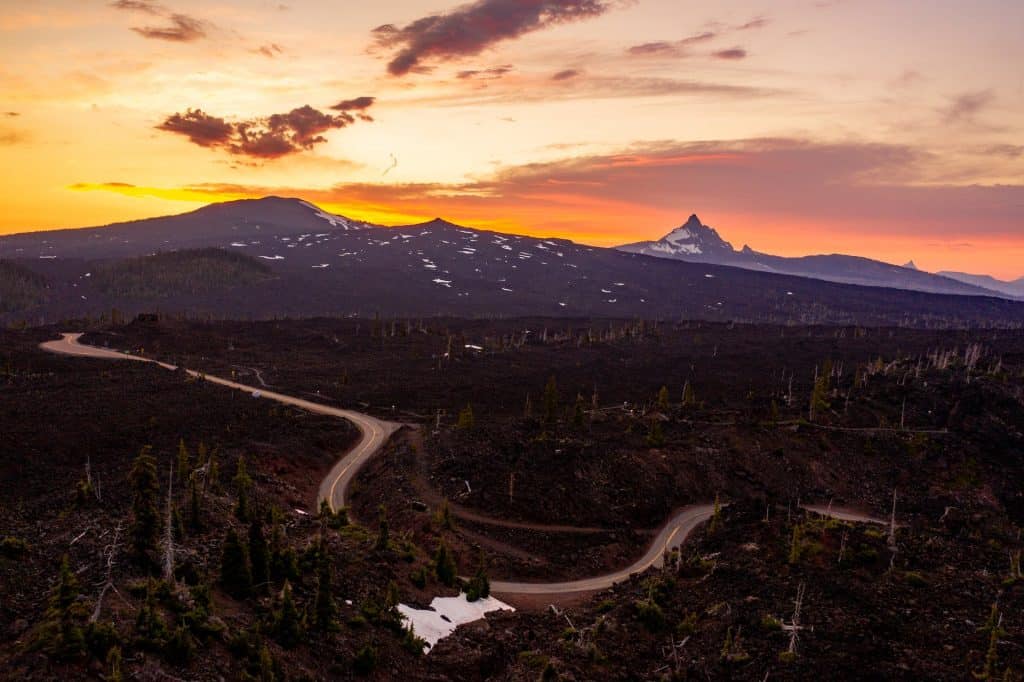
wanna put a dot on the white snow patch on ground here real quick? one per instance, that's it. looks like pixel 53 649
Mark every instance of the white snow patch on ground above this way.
pixel 446 614
pixel 272 257
pixel 322 266
pixel 443 282
pixel 239 244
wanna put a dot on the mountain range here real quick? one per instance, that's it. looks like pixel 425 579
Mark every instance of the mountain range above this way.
pixel 697 243
pixel 290 258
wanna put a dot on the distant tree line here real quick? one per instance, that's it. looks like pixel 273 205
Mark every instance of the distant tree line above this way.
pixel 174 273
pixel 20 288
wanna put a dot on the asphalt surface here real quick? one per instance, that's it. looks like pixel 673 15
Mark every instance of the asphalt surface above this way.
pixel 375 432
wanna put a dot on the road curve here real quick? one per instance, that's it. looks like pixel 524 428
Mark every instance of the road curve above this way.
pixel 334 487
pixel 670 537
pixel 376 432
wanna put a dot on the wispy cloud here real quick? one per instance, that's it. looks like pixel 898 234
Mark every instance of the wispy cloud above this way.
pixel 965 107
pixel 473 28
pixel 733 53
pixel 181 28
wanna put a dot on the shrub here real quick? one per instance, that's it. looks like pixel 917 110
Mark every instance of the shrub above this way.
pixel 366 660
pixel 13 548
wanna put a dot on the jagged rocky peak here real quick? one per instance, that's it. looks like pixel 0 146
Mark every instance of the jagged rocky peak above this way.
pixel 695 237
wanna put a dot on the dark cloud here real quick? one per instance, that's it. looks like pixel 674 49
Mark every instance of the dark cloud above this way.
pixel 659 48
pixel 11 114
pixel 678 48
pixel 493 73
pixel 355 104
pixel 262 138
pixel 200 128
pixel 1009 151
pixel 733 53
pixel 566 75
pixel 963 108
pixel 698 38
pixel 144 6
pixel 183 29
pixel 270 50
pixel 759 22
pixel 472 28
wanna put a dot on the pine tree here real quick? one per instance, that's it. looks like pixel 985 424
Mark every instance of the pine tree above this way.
pixel 195 515
pixel 663 399
pixel 578 416
pixel 466 419
pixel 145 527
pixel 324 608
pixel 288 626
pixel 444 565
pixel 150 629
pixel 444 516
pixel 551 402
pixel 655 436
pixel 242 486
pixel 259 555
pixel 235 574
pixel 184 461
pixel 383 535
pixel 66 640
pixel 283 562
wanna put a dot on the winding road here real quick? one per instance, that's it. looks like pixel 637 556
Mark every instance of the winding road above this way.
pixel 375 433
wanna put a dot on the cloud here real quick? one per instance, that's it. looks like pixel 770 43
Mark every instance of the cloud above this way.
pixel 11 114
pixel 758 22
pixel 270 51
pixel 567 74
pixel 355 104
pixel 10 138
pixel 271 137
pixel 144 6
pixel 965 107
pixel 183 29
pixel 734 53
pixel 678 48
pixel 473 28
pixel 660 48
pixel 493 73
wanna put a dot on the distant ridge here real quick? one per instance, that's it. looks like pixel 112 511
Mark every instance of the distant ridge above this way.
pixel 698 243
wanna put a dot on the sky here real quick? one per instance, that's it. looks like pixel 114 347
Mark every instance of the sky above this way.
pixel 892 130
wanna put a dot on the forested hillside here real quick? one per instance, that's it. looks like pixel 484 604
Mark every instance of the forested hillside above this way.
pixel 176 273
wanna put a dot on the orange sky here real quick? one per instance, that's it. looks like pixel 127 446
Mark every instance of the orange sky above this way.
pixel 889 130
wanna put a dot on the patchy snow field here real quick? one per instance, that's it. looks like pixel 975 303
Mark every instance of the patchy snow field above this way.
pixel 446 614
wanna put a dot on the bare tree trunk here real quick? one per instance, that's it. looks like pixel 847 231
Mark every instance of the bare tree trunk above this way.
pixel 169 529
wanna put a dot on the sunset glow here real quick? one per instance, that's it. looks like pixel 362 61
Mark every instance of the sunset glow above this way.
pixel 880 129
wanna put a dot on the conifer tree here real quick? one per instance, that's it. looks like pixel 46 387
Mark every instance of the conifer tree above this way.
pixel 578 415
pixel 283 562
pixel 324 611
pixel 195 515
pixel 145 527
pixel 259 554
pixel 383 535
pixel 466 419
pixel 243 483
pixel 689 398
pixel 184 461
pixel 66 640
pixel 663 399
pixel 551 402
pixel 235 574
pixel 287 624
pixel 444 565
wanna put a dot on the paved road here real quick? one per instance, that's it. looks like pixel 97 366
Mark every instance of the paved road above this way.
pixel 376 432
pixel 333 488
pixel 670 537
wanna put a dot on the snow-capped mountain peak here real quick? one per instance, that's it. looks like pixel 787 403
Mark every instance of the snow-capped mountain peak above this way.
pixel 692 238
